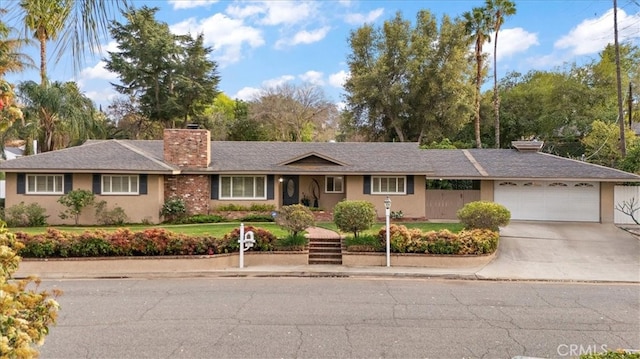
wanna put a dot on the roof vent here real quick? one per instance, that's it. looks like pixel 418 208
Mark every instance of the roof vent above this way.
pixel 527 146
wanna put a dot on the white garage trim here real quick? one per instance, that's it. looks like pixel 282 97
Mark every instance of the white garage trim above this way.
pixel 550 200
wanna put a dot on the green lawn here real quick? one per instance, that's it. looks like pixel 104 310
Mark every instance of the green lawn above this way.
pixel 220 229
pixel 217 230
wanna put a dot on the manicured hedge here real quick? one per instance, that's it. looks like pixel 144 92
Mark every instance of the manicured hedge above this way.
pixel 124 242
pixel 405 240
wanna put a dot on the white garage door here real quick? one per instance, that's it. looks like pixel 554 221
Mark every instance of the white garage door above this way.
pixel 550 201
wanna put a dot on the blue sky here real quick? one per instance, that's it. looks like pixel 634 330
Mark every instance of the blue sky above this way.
pixel 258 44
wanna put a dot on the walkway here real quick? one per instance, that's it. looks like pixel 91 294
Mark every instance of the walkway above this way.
pixel 321 233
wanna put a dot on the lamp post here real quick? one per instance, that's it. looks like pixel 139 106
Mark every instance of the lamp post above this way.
pixel 387 213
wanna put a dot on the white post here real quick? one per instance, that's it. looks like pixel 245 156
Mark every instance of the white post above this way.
pixel 241 241
pixel 387 213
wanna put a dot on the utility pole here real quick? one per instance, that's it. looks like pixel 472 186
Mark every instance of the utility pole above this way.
pixel 630 104
pixel 623 146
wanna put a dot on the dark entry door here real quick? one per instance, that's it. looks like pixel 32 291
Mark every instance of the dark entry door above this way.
pixel 290 186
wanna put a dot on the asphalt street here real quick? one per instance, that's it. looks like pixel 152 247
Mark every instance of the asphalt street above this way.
pixel 284 317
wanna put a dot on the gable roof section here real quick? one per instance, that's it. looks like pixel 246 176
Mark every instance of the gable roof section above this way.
pixel 312 159
pixel 107 156
pixel 353 157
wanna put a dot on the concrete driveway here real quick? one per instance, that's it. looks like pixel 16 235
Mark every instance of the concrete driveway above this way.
pixel 565 251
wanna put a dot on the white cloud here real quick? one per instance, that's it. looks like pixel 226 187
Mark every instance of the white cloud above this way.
pixel 102 97
pixel 226 35
pixel 190 4
pixel 277 81
pixel 313 77
pixel 304 37
pixel 288 12
pixel 96 72
pixel 244 12
pixel 359 19
pixel 247 93
pixel 511 42
pixel 592 35
pixel 338 79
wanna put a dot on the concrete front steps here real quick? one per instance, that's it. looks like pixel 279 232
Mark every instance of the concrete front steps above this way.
pixel 325 251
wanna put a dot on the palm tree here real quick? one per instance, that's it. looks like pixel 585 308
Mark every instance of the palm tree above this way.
pixel 477 24
pixel 11 59
pixel 60 113
pixel 79 24
pixel 498 10
pixel 45 18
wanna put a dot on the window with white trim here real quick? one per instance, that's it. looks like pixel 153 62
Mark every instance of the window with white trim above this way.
pixel 45 184
pixel 120 184
pixel 243 187
pixel 333 184
pixel 388 185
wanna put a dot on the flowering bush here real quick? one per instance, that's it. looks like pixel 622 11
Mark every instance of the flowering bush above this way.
pixel 124 242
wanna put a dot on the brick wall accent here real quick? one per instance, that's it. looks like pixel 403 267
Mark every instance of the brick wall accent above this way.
pixel 187 148
pixel 195 190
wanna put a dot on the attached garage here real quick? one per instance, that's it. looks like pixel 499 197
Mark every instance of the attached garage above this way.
pixel 550 200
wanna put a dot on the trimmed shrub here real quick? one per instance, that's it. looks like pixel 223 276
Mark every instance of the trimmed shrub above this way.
pixel 609 354
pixel 173 209
pixel 291 243
pixel 354 216
pixel 26 215
pixel 478 241
pixel 200 218
pixel 295 218
pixel 364 243
pixel 265 240
pixel 110 217
pixel 484 215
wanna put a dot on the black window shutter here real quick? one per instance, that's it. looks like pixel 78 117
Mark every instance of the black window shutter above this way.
pixel 68 182
pixel 142 185
pixel 410 184
pixel 21 183
pixel 97 185
pixel 367 185
pixel 270 185
pixel 214 186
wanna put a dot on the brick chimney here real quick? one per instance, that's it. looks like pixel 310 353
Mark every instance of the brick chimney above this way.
pixel 187 148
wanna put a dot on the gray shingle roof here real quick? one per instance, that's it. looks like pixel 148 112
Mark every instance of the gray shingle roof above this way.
pixel 112 156
pixel 93 156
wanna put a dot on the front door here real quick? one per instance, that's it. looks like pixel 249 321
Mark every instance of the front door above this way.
pixel 290 186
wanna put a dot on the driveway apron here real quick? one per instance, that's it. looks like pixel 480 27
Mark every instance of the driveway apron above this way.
pixel 565 251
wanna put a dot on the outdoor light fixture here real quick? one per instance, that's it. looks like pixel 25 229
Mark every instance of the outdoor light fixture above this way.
pixel 280 179
pixel 387 213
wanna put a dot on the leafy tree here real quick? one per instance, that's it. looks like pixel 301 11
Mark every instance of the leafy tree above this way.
pixel 58 113
pixel 11 59
pixel 76 201
pixel 295 218
pixel 170 74
pixel 484 215
pixel 126 120
pixel 478 24
pixel 354 216
pixel 292 113
pixel 601 144
pixel 498 9
pixel 25 313
pixel 407 83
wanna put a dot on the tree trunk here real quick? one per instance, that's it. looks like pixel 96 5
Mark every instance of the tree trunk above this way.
pixel 477 104
pixel 43 57
pixel 496 96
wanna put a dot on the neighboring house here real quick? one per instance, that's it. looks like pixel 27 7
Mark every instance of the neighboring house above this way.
pixel 11 153
pixel 140 175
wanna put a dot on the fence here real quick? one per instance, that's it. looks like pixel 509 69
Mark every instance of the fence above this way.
pixel 622 194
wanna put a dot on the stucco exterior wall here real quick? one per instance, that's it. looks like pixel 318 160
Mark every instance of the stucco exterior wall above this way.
pixel 607 202
pixel 326 201
pixel 411 205
pixel 139 208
